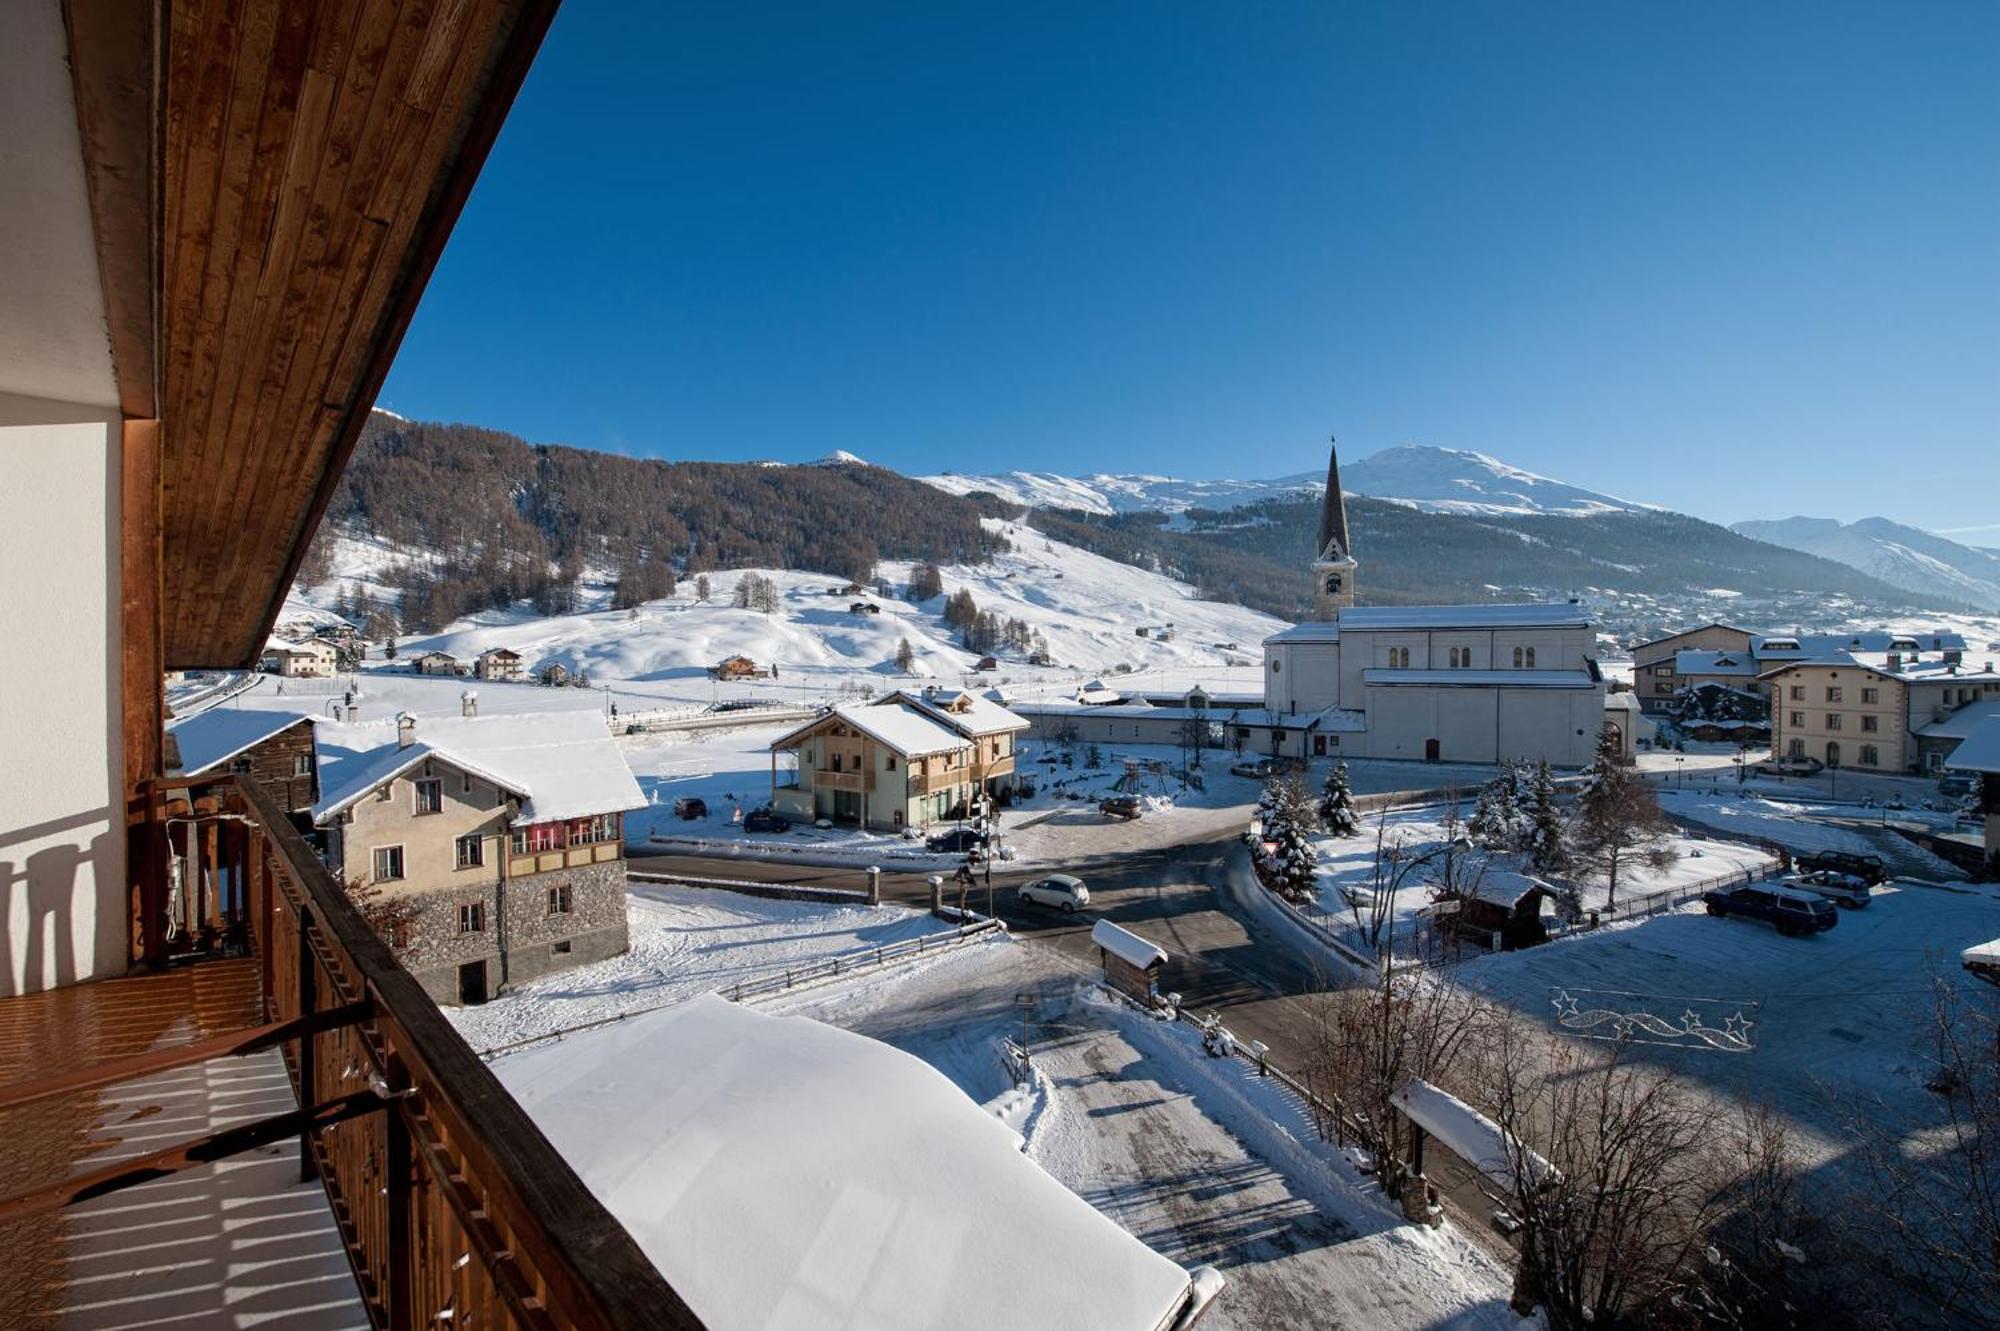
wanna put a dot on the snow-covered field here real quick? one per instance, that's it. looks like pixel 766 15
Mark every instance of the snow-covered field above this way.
pixel 1839 1015
pixel 1085 607
pixel 688 941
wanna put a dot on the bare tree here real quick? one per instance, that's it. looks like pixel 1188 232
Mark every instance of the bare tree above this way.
pixel 1928 1221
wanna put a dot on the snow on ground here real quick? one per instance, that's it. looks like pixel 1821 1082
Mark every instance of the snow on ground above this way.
pixel 1197 1158
pixel 1804 827
pixel 1839 1015
pixel 1085 607
pixel 1347 866
pixel 688 941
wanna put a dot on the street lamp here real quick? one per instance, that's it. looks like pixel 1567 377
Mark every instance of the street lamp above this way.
pixel 1680 772
pixel 1832 775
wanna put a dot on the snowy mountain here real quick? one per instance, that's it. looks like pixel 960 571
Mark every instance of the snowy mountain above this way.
pixel 1901 556
pixel 1437 480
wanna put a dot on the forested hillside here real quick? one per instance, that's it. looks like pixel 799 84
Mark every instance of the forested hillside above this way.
pixel 1256 555
pixel 490 519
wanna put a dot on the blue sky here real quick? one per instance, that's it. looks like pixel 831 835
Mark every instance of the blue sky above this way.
pixel 1738 259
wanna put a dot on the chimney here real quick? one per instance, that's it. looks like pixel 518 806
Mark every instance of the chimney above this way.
pixel 1952 657
pixel 406 730
pixel 468 703
pixel 1895 660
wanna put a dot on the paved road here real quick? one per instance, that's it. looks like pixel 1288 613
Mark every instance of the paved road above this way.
pixel 1220 958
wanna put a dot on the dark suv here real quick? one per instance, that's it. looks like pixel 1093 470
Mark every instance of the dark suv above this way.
pixel 959 841
pixel 764 820
pixel 1792 911
pixel 1868 868
pixel 1119 806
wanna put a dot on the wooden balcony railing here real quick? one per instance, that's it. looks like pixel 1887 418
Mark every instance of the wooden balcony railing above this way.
pixel 454 1208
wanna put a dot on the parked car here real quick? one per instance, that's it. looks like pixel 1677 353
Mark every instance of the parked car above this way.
pixel 959 841
pixel 764 820
pixel 1793 912
pixel 1839 888
pixel 1790 767
pixel 1119 806
pixel 1957 785
pixel 1259 769
pixel 690 806
pixel 1868 868
pixel 1063 891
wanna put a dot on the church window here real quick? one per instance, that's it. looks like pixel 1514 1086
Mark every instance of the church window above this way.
pixel 1333 584
pixel 1461 657
pixel 1274 667
pixel 1399 657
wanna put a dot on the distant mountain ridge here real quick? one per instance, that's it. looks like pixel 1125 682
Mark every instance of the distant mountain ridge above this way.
pixel 1902 556
pixel 1436 480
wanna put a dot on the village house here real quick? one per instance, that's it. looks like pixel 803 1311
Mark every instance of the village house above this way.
pixel 1979 755
pixel 735 667
pixel 498 664
pixel 436 663
pixel 1741 658
pixel 554 675
pixel 1887 712
pixel 272 748
pixel 495 843
pixel 906 760
pixel 311 658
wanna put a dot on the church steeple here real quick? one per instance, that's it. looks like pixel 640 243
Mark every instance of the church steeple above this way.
pixel 1333 570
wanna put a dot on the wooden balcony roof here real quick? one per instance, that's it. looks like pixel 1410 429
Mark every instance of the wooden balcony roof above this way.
pixel 272 183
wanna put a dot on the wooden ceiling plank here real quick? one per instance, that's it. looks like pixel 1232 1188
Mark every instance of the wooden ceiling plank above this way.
pixel 323 307
pixel 222 452
pixel 254 174
pixel 503 64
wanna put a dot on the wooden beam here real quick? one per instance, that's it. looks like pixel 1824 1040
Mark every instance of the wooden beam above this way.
pixel 115 70
pixel 186 1155
pixel 236 1043
pixel 142 682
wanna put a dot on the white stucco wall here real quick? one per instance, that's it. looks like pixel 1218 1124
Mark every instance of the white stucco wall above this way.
pixel 62 845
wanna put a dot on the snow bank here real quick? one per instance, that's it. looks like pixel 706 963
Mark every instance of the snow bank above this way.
pixel 785 1173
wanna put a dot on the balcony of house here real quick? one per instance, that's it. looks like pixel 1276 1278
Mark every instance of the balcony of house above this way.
pixel 268 1121
pixel 826 778
pixel 547 847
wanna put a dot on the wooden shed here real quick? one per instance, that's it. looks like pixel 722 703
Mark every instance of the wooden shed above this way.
pixel 1131 963
pixel 1505 913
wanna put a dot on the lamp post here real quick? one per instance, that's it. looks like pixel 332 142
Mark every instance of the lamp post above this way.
pixel 1680 772
pixel 1833 775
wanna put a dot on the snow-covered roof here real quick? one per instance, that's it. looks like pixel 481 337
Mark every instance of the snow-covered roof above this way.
pixel 1469 1134
pixel 209 739
pixel 1103 698
pixel 1315 632
pixel 967 713
pixel 1534 614
pixel 784 1172
pixel 1340 721
pixel 1821 646
pixel 1961 723
pixel 1980 751
pixel 1127 946
pixel 1698 662
pixel 562 764
pixel 492 653
pixel 1622 701
pixel 1982 956
pixel 905 729
pixel 1513 679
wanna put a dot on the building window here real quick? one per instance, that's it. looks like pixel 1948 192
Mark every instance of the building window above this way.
pixel 302 764
pixel 1399 658
pixel 240 767
pixel 472 917
pixel 1833 693
pixel 890 759
pixel 1274 667
pixel 1833 720
pixel 1663 672
pixel 471 851
pixel 537 837
pixel 1869 756
pixel 559 948
pixel 465 783
pixel 430 795
pixel 601 827
pixel 1798 718
pixel 1798 693
pixel 1797 748
pixel 1871 695
pixel 558 900
pixel 388 789
pixel 1871 723
pixel 1832 754
pixel 388 863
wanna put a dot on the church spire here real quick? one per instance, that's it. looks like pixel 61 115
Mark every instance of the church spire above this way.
pixel 1333 543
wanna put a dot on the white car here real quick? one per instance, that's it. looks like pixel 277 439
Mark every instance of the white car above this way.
pixel 1059 890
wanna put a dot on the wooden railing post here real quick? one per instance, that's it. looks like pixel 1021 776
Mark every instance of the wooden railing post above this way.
pixel 308 1045
pixel 399 1165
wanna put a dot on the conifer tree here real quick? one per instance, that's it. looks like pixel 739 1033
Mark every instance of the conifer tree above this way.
pixel 1549 839
pixel 1336 810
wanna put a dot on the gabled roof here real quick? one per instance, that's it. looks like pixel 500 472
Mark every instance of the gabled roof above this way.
pixel 1127 946
pixel 1313 632
pixel 492 652
pixel 903 729
pixel 1706 662
pixel 1961 723
pixel 967 713
pixel 561 764
pixel 211 738
pixel 1638 647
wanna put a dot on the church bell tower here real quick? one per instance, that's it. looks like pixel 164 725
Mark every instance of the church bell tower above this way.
pixel 1333 570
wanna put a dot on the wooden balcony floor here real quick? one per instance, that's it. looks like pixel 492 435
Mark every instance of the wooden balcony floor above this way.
pixel 239 1243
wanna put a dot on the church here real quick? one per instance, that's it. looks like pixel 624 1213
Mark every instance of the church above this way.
pixel 1444 683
